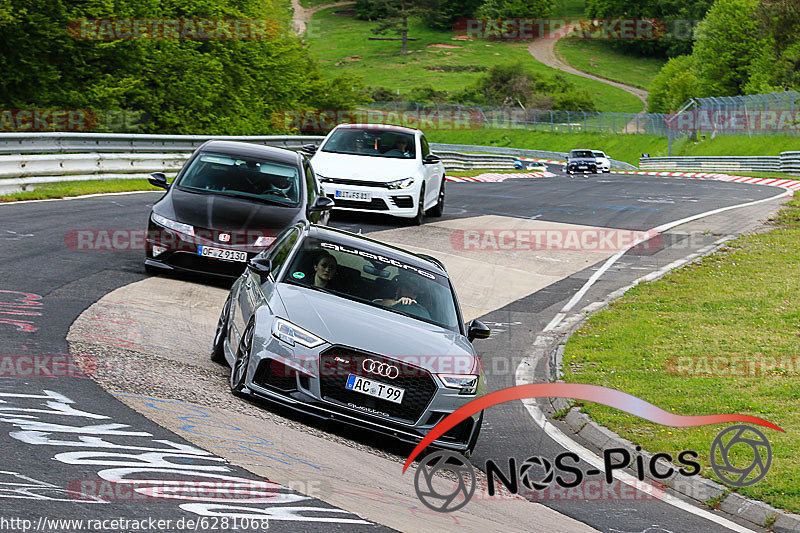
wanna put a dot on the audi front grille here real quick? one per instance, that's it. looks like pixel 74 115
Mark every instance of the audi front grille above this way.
pixel 337 363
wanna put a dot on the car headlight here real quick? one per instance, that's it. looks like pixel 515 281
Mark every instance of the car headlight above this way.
pixel 180 227
pixel 291 334
pixel 468 383
pixel 404 183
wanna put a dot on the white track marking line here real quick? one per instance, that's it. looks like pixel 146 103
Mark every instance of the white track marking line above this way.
pixel 95 195
pixel 591 458
pixel 659 229
pixel 587 455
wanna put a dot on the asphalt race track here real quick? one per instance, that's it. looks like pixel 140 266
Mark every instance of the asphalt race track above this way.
pixel 63 434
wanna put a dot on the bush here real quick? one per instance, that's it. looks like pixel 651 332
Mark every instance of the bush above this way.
pixel 673 85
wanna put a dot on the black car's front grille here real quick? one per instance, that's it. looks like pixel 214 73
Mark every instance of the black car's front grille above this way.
pixel 377 204
pixel 337 363
pixel 403 202
pixel 192 261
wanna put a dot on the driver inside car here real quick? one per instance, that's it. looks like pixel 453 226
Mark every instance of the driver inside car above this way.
pixel 405 299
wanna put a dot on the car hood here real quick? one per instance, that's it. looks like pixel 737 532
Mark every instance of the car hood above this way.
pixel 213 211
pixel 346 323
pixel 581 160
pixel 345 166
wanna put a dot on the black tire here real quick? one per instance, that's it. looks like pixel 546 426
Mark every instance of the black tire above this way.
pixel 419 218
pixel 242 361
pixel 438 209
pixel 218 350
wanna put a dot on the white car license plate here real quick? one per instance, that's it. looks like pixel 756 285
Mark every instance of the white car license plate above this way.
pixel 221 253
pixel 353 195
pixel 375 388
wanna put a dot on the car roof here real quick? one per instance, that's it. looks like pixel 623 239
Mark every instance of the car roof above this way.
pixel 387 127
pixel 370 245
pixel 245 149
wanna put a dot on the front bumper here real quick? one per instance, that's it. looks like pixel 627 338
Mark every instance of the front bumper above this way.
pixel 395 202
pixel 181 254
pixel 309 385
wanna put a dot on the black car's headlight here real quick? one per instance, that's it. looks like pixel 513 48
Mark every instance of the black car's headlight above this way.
pixel 292 334
pixel 404 183
pixel 180 227
pixel 467 383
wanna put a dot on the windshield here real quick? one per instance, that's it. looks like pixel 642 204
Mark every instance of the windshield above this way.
pixel 581 153
pixel 599 154
pixel 244 177
pixel 371 142
pixel 375 280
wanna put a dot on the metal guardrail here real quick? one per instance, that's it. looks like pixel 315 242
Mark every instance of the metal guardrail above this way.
pixel 58 142
pixel 460 161
pixel 788 162
pixel 519 152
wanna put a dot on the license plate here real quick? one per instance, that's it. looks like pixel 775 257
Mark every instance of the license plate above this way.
pixel 353 195
pixel 374 388
pixel 583 166
pixel 223 254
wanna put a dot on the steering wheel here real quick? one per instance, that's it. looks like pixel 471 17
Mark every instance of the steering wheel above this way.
pixel 413 309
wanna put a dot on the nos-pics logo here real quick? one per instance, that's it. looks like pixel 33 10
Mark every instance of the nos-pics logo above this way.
pixel 445 481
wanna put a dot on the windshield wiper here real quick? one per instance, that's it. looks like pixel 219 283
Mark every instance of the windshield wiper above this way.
pixel 245 196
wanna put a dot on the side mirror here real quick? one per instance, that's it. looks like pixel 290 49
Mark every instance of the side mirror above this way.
pixel 260 265
pixel 309 149
pixel 478 330
pixel 431 159
pixel 159 179
pixel 323 203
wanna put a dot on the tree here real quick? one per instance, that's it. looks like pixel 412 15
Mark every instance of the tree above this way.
pixel 673 86
pixel 677 17
pixel 728 41
pixel 226 86
pixel 516 8
pixel 394 15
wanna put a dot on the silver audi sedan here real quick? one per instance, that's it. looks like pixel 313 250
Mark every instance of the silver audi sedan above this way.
pixel 346 328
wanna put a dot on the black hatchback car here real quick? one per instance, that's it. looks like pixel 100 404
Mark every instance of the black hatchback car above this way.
pixel 227 204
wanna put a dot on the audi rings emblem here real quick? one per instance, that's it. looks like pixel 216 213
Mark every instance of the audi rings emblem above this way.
pixel 382 369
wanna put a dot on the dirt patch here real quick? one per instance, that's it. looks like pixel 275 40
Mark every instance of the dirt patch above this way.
pixel 444 46
pixel 351 58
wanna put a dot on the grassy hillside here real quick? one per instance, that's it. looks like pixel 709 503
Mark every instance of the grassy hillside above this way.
pixel 341 43
pixel 600 59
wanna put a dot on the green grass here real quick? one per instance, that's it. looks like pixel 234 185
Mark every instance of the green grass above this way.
pixel 341 44
pixel 621 147
pixel 78 188
pixel 741 303
pixel 742 145
pixel 600 59
pixel 626 148
pixel 569 8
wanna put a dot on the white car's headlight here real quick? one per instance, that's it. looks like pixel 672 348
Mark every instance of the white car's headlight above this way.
pixel 404 183
pixel 468 383
pixel 180 227
pixel 291 334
